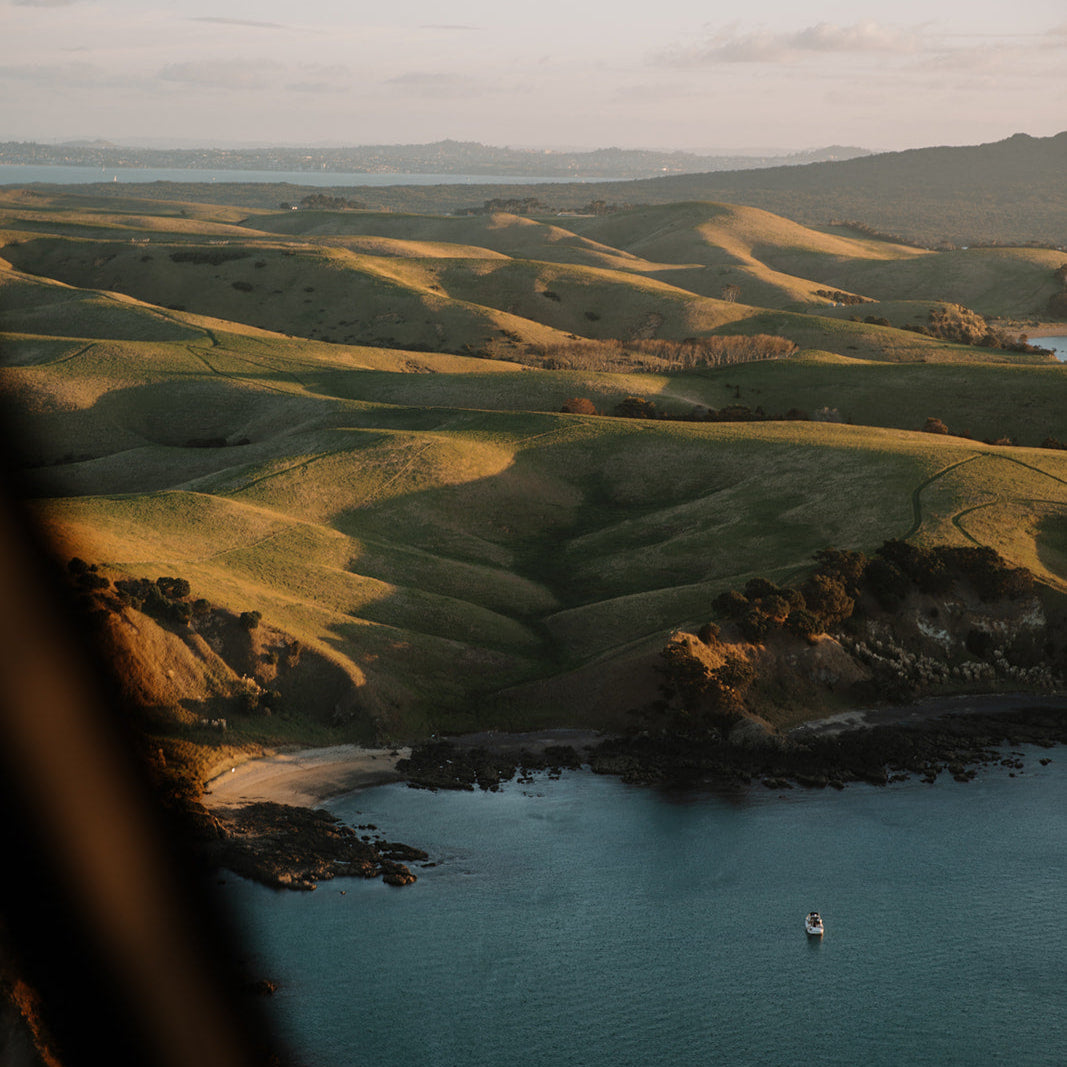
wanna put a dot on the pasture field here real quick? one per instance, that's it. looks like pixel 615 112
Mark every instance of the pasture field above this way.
pixel 347 422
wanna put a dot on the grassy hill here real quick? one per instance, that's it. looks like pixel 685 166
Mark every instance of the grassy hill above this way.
pixel 1009 192
pixel 259 417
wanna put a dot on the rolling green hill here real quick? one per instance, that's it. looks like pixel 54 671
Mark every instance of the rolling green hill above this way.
pixel 261 410
pixel 1007 192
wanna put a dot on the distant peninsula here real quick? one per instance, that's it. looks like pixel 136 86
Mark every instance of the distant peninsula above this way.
pixel 440 157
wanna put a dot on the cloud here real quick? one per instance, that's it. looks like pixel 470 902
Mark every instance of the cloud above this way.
pixel 865 36
pixel 447 26
pixel 45 3
pixel 219 21
pixel 766 46
pixel 224 73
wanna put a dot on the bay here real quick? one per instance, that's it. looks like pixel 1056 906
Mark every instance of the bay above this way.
pixel 25 174
pixel 586 921
pixel 1057 344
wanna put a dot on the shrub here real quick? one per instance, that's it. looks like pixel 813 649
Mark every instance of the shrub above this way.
pixel 760 587
pixel 828 599
pixel 250 619
pixel 754 625
pixel 731 604
pixel 579 405
pixel 635 407
pixel 802 623
pixel 173 588
pixel 933 425
pixel 887 582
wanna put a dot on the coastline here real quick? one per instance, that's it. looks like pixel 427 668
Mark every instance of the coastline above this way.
pixel 265 823
pixel 306 777
pixel 302 777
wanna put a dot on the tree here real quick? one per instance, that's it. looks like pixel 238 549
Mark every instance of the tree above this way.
pixel 828 599
pixel 579 405
pixel 635 407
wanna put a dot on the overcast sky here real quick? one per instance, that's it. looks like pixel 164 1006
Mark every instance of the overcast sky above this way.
pixel 882 74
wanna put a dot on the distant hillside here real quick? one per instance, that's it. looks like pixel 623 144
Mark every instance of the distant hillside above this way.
pixel 1009 192
pixel 440 157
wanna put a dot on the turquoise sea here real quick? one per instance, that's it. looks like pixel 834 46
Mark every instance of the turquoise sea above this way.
pixel 585 921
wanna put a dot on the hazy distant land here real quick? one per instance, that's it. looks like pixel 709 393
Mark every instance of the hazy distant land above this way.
pixel 441 157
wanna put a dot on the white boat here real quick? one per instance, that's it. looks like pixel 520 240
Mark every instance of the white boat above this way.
pixel 813 924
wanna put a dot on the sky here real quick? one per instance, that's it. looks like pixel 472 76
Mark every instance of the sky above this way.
pixel 670 74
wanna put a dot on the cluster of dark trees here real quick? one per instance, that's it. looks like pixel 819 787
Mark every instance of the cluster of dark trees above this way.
pixel 841 578
pixel 207 257
pixel 936 425
pixel 703 696
pixel 637 407
pixel 878 235
pixel 634 407
pixel 167 598
pixel 324 202
pixel 531 205
pixel 658 355
pixel 961 325
pixel 838 297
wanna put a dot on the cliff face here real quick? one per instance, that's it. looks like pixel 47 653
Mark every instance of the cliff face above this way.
pixel 931 644
pixel 201 684
pixel 214 667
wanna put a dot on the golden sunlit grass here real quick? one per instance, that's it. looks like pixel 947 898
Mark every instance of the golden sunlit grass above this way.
pixel 430 522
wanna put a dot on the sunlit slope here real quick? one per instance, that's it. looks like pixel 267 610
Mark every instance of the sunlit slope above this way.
pixel 1013 282
pixel 480 306
pixel 37 210
pixel 444 553
pixel 505 234
pixel 90 400
pixel 313 292
pixel 772 261
pixel 544 541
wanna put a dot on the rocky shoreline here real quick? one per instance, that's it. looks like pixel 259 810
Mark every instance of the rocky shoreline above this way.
pixel 287 846
pixel 951 743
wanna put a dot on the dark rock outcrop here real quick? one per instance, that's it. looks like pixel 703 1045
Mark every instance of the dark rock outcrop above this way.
pixel 295 848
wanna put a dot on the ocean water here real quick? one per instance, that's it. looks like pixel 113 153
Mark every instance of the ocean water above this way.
pixel 1057 344
pixel 24 174
pixel 584 921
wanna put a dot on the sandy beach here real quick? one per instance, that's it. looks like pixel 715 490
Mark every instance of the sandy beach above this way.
pixel 305 777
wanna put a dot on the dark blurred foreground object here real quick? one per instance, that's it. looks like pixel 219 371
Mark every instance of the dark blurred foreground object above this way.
pixel 105 909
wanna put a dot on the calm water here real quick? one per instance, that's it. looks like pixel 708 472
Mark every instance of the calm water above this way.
pixel 18 174
pixel 1057 344
pixel 584 921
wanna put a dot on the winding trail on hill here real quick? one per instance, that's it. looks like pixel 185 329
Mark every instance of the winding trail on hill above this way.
pixel 74 355
pixel 957 519
pixel 259 384
pixel 916 493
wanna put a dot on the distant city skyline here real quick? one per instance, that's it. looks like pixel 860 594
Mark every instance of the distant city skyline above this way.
pixel 771 76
